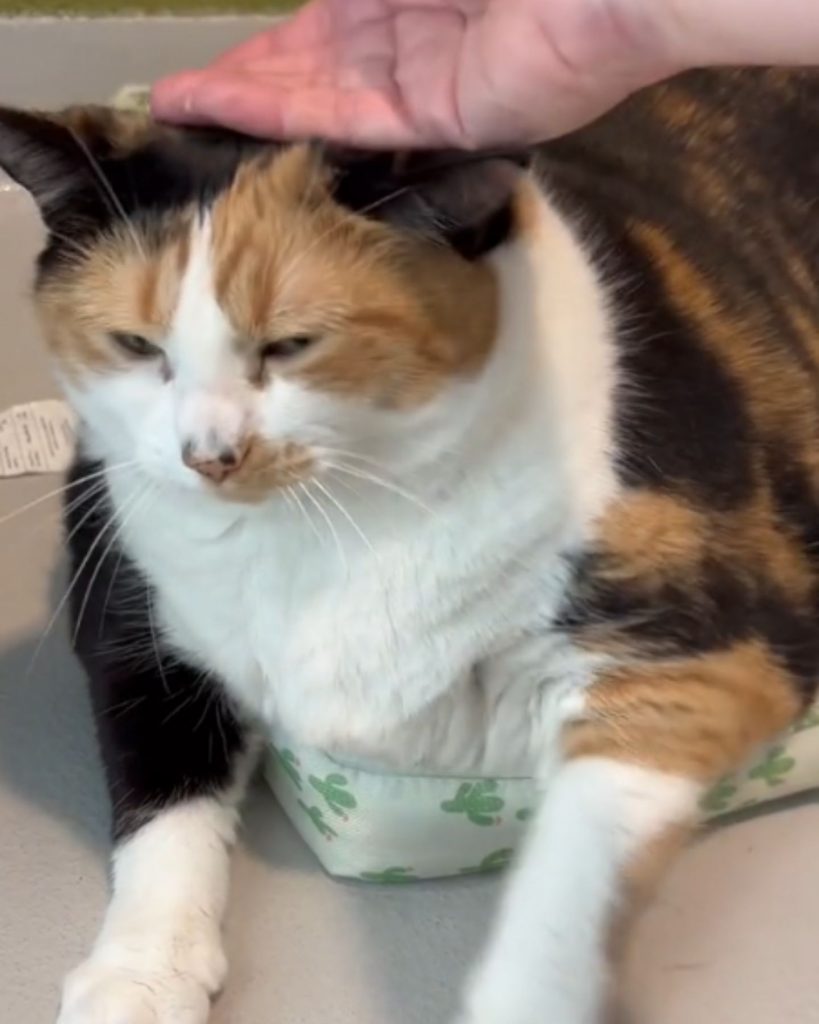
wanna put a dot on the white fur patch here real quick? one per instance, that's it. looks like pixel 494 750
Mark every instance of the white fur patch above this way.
pixel 213 401
pixel 547 959
pixel 159 958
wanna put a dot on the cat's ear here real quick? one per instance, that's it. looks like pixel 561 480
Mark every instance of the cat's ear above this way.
pixel 462 199
pixel 53 155
pixel 40 154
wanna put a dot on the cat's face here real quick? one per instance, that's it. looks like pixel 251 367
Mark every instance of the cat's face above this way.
pixel 237 318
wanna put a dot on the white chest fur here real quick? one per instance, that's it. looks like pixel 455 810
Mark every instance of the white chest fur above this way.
pixel 430 643
pixel 346 647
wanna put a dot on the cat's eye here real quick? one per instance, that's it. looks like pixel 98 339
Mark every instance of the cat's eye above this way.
pixel 136 346
pixel 287 348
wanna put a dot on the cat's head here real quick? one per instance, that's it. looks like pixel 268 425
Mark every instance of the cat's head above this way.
pixel 233 315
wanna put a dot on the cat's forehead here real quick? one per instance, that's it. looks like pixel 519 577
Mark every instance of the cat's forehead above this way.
pixel 272 254
pixel 274 241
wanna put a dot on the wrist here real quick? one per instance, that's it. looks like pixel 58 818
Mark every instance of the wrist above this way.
pixel 613 46
pixel 650 46
pixel 700 33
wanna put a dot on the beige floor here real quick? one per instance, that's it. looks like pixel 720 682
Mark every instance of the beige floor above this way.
pixel 732 939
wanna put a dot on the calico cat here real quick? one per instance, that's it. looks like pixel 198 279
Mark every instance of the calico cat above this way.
pixel 477 463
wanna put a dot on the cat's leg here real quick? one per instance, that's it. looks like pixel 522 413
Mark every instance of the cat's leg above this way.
pixel 177 759
pixel 622 798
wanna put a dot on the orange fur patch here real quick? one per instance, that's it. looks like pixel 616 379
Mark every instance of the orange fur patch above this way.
pixel 652 536
pixel 652 539
pixel 697 717
pixel 122 284
pixel 397 317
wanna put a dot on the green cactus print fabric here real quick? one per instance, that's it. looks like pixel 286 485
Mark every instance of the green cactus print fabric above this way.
pixel 385 829
pixel 478 801
pixel 775 768
pixel 335 793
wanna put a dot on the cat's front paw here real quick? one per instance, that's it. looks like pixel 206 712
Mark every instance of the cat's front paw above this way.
pixel 543 1010
pixel 135 989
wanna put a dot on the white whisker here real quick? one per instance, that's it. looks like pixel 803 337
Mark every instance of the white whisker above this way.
pixel 95 507
pixel 109 593
pixel 344 454
pixel 333 532
pixel 116 534
pixel 109 191
pixel 345 484
pixel 64 489
pixel 331 497
pixel 155 643
pixel 75 503
pixel 401 492
pixel 70 588
pixel 307 518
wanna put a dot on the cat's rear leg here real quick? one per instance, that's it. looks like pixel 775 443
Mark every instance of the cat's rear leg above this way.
pixel 176 758
pixel 646 746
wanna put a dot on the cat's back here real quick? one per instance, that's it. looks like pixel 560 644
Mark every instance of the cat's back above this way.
pixel 724 161
pixel 699 199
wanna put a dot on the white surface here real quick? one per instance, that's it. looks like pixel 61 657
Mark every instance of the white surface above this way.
pixel 732 937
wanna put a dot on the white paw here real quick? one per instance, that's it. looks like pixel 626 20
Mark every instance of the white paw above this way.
pixel 533 1015
pixel 543 1010
pixel 128 986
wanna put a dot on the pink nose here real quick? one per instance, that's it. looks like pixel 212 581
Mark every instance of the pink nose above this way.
pixel 216 468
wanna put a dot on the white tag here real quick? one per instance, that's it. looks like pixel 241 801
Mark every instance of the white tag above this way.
pixel 38 437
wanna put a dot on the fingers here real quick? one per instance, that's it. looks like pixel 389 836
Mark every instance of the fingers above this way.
pixel 306 33
pixel 174 99
pixel 283 107
pixel 295 46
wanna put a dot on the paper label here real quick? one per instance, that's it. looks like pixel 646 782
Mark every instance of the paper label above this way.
pixel 37 437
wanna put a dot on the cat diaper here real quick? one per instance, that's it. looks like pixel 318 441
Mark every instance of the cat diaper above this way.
pixel 380 827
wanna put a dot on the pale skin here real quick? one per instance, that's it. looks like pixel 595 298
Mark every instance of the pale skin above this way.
pixel 473 73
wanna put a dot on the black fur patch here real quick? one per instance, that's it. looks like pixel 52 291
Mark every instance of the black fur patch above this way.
pixel 682 422
pixel 462 199
pixel 796 503
pixel 167 731
pixel 707 615
pixel 174 171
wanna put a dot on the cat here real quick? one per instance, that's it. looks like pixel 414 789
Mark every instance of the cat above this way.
pixel 497 464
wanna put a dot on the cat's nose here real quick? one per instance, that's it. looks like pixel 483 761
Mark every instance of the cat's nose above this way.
pixel 214 466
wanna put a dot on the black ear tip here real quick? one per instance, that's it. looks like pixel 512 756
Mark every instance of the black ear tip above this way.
pixel 39 154
pixel 463 199
pixel 26 130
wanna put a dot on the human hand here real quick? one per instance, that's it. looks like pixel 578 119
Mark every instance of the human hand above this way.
pixel 410 73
